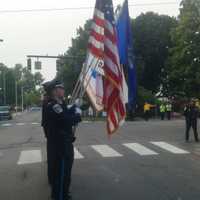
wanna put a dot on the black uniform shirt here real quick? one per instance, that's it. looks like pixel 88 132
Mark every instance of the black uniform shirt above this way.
pixel 60 121
pixel 191 112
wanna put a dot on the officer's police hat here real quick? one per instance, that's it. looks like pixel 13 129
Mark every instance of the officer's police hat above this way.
pixel 46 86
pixel 56 84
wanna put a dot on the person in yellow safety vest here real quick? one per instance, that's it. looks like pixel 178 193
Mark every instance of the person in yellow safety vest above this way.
pixel 162 111
pixel 169 110
pixel 197 104
pixel 147 108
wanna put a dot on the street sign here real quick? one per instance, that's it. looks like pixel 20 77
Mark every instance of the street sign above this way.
pixel 38 65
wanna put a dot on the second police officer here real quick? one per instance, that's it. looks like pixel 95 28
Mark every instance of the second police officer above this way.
pixel 47 97
pixel 191 115
pixel 60 122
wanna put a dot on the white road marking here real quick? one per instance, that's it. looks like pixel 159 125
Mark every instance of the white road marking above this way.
pixel 28 157
pixel 106 151
pixel 77 154
pixel 35 123
pixel 86 122
pixel 170 148
pixel 140 149
pixel 6 125
pixel 1 154
pixel 20 124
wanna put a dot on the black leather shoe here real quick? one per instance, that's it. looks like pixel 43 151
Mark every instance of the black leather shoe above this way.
pixel 68 197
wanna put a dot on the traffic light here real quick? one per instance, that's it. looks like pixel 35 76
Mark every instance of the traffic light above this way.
pixel 29 64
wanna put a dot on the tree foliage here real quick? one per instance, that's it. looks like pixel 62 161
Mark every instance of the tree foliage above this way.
pixel 151 41
pixel 14 79
pixel 184 60
pixel 151 35
pixel 74 58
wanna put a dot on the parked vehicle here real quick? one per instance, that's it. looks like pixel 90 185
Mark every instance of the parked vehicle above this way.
pixel 35 108
pixel 5 112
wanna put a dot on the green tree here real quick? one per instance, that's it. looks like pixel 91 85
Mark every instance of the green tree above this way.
pixel 74 58
pixel 7 85
pixel 10 86
pixel 151 35
pixel 38 79
pixel 32 98
pixel 21 77
pixel 184 62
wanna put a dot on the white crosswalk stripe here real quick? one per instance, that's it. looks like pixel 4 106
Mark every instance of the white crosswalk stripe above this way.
pixel 35 123
pixel 140 149
pixel 77 154
pixel 20 124
pixel 5 125
pixel 29 157
pixel 170 148
pixel 106 151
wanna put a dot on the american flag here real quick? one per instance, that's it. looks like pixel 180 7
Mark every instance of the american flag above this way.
pixel 103 45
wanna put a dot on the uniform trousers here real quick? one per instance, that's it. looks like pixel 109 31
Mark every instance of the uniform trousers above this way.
pixel 62 175
pixel 162 115
pixel 51 160
pixel 191 123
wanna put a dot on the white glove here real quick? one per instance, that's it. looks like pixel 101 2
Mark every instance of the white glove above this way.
pixel 78 111
pixel 69 106
pixel 78 102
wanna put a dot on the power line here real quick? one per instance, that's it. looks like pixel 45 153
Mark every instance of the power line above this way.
pixel 83 8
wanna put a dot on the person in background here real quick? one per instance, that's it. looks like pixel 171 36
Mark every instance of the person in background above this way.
pixel 191 115
pixel 91 113
pixel 162 111
pixel 44 124
pixel 147 109
pixel 169 110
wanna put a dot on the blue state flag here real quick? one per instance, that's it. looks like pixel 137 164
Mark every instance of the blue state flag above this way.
pixel 125 46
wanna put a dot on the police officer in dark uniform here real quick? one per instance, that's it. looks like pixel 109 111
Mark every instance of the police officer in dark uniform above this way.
pixel 50 151
pixel 60 121
pixel 191 116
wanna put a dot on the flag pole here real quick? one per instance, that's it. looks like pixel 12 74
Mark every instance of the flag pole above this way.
pixel 74 92
pixel 78 87
pixel 85 88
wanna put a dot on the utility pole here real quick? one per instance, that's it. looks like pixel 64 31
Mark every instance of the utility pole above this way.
pixel 54 57
pixel 3 73
pixel 4 86
pixel 22 93
pixel 61 57
pixel 16 96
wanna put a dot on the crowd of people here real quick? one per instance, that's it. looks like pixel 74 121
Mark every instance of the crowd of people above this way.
pixel 165 110
pixel 191 113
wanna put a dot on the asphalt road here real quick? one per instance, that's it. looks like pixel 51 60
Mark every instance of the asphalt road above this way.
pixel 144 161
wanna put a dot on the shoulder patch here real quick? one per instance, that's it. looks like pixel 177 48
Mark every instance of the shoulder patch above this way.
pixel 57 108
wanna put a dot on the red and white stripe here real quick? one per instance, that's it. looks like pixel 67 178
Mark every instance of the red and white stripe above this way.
pixel 114 100
pixel 96 39
pixel 95 54
pixel 103 45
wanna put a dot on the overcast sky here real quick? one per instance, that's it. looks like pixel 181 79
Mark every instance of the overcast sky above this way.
pixel 51 32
